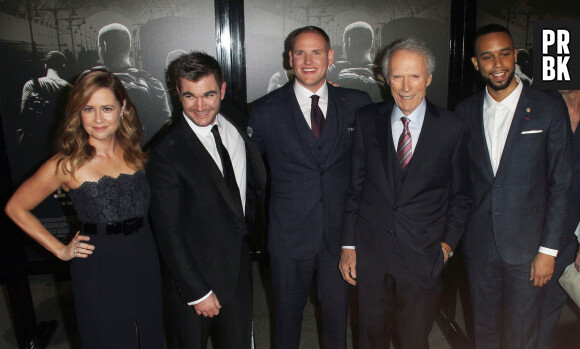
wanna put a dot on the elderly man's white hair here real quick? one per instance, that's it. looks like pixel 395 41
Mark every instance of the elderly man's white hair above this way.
pixel 414 45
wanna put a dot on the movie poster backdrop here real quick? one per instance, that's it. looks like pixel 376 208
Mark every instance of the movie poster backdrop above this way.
pixel 46 44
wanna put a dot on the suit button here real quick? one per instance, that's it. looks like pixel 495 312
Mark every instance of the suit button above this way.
pixel 321 166
pixel 322 173
pixel 496 186
pixel 320 200
pixel 395 208
pixel 497 212
pixel 389 233
pixel 319 148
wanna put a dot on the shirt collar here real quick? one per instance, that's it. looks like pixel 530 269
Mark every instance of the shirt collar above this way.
pixel 303 94
pixel 417 116
pixel 510 102
pixel 203 131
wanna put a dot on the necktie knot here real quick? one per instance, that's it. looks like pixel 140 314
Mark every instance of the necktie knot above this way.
pixel 216 132
pixel 405 121
pixel 315 99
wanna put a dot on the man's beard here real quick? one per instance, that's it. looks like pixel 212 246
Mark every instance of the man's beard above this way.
pixel 489 82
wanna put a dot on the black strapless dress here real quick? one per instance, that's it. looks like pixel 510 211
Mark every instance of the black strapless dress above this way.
pixel 117 289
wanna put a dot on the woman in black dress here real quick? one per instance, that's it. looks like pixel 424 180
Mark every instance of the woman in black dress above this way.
pixel 115 267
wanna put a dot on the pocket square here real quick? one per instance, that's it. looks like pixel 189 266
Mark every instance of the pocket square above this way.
pixel 350 129
pixel 531 131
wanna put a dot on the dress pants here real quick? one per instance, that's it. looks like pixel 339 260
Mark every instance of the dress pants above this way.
pixel 391 303
pixel 292 279
pixel 554 296
pixel 231 328
pixel 505 303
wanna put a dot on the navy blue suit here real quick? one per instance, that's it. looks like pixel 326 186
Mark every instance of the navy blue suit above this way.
pixel 524 206
pixel 309 184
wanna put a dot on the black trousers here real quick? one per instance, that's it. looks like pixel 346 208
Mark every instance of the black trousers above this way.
pixel 292 279
pixel 231 328
pixel 392 306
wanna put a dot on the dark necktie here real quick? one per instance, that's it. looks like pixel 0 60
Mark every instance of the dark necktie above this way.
pixel 228 169
pixel 316 117
pixel 405 146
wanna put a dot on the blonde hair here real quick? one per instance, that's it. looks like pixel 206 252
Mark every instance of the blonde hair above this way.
pixel 74 149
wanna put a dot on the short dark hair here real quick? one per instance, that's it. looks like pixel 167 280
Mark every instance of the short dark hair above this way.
pixel 196 65
pixel 488 29
pixel 55 60
pixel 309 29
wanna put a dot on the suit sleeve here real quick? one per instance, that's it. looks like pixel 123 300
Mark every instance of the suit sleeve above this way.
pixel 559 172
pixel 167 201
pixel 459 199
pixel 356 186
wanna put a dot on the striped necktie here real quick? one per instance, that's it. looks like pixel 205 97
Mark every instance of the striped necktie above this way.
pixel 405 146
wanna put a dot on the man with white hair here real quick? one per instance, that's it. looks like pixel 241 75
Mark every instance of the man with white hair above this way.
pixel 408 203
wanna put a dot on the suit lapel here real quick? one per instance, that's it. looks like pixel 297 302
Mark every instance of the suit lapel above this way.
pixel 515 130
pixel 335 115
pixel 209 164
pixel 478 136
pixel 386 146
pixel 427 138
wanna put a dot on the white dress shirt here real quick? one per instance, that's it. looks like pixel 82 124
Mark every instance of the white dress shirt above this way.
pixel 416 119
pixel 305 102
pixel 497 120
pixel 236 148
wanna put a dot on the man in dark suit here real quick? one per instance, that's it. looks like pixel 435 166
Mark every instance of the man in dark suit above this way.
pixel 207 182
pixel 305 129
pixel 408 203
pixel 521 173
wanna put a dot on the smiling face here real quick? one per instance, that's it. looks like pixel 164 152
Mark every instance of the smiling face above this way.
pixel 201 99
pixel 101 115
pixel 495 58
pixel 310 59
pixel 408 79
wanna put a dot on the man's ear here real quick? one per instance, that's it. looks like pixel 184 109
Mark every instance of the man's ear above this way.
pixel 474 61
pixel 223 90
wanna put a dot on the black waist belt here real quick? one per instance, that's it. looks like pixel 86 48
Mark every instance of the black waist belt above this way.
pixel 126 227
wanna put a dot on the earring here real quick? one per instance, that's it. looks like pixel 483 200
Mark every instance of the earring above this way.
pixel 122 116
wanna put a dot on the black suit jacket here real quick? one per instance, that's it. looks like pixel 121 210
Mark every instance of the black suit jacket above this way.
pixel 527 201
pixel 199 228
pixel 309 178
pixel 430 204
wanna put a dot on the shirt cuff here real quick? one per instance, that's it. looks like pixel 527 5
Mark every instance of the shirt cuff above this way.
pixel 548 251
pixel 201 299
pixel 349 247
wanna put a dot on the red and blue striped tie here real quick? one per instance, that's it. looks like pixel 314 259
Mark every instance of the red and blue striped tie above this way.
pixel 405 146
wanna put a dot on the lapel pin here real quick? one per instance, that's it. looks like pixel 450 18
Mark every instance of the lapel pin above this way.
pixel 528 109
